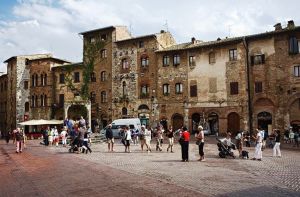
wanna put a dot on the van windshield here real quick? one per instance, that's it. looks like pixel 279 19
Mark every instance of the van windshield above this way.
pixel 121 126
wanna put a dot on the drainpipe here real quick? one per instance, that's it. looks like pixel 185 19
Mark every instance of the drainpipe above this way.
pixel 250 110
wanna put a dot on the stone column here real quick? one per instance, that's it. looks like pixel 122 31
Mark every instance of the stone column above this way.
pixel 89 109
pixel 66 108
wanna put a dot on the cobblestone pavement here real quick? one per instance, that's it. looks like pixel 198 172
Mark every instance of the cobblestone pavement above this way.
pixel 41 171
pixel 214 177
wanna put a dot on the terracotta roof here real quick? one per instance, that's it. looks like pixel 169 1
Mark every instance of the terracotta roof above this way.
pixel 30 57
pixel 68 64
pixel 53 58
pixel 190 45
pixel 136 38
pixel 99 29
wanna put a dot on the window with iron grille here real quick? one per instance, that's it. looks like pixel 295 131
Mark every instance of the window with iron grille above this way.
pixel 234 88
pixel 145 62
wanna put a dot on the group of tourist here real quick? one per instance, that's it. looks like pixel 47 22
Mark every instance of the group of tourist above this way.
pixel 19 138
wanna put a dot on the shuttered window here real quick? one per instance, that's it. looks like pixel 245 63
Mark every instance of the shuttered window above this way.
pixel 258 87
pixel 293 45
pixel 257 59
pixel 234 88
pixel 193 90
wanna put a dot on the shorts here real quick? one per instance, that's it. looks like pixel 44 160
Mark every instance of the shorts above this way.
pixel 127 142
pixel 111 141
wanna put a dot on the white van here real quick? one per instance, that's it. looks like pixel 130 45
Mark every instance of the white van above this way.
pixel 134 124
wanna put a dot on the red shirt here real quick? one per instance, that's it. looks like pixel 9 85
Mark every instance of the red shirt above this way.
pixel 186 136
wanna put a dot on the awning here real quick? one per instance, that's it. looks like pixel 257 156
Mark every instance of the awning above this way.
pixel 41 122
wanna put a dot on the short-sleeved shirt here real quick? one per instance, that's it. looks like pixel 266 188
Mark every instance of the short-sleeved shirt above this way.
pixel 186 136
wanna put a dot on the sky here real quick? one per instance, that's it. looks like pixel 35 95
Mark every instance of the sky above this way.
pixel 52 26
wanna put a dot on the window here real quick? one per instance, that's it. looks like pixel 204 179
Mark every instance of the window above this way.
pixel 234 88
pixel 45 101
pixel 92 40
pixel 141 44
pixel 178 88
pixel 193 90
pixel 62 78
pixel 76 77
pixel 144 91
pixel 27 107
pixel 124 88
pixel 36 80
pixel 145 61
pixel 257 59
pixel 93 97
pixel 36 101
pixel 93 77
pixel 42 80
pixel 42 100
pixel 125 64
pixel 166 60
pixel 297 71
pixel 103 37
pixel 32 101
pixel 258 87
pixel 103 97
pixel 103 53
pixel 192 61
pixel 25 85
pixel 293 45
pixel 103 76
pixel 45 79
pixel 232 54
pixel 32 81
pixel 61 100
pixel 176 60
pixel 166 89
pixel 212 58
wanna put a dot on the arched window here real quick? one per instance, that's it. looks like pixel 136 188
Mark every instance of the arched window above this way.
pixel 42 100
pixel 124 111
pixel 36 80
pixel 93 97
pixel 45 79
pixel 93 77
pixel 32 101
pixel 42 80
pixel 36 100
pixel 32 80
pixel 103 76
pixel 166 89
pixel 103 97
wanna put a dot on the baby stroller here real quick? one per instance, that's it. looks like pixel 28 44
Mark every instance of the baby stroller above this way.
pixel 225 149
pixel 75 145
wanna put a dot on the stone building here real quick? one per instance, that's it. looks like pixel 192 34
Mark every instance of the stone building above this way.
pixel 18 88
pixel 42 87
pixel 224 85
pixel 3 104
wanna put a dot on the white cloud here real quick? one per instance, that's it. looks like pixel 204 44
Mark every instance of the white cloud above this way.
pixel 53 26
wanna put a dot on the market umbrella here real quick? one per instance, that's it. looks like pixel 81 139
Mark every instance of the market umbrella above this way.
pixel 41 122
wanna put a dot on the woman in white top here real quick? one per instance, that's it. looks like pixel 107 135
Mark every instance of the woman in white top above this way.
pixel 63 136
pixel 148 139
pixel 127 138
pixel 258 152
pixel 200 142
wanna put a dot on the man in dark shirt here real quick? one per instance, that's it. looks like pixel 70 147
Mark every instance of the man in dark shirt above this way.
pixel 110 138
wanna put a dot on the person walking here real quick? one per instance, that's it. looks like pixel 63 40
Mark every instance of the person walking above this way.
pixel 185 144
pixel 127 133
pixel 86 146
pixel 200 142
pixel 170 135
pixel 276 148
pixel 148 134
pixel 19 140
pixel 258 152
pixel 159 138
pixel 55 136
pixel 110 138
pixel 63 136
pixel 7 137
pixel 239 142
pixel 142 137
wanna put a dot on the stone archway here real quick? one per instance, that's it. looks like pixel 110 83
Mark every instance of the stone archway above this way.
pixel 233 123
pixel 177 120
pixel 213 122
pixel 144 114
pixel 196 117
pixel 264 119
pixel 78 102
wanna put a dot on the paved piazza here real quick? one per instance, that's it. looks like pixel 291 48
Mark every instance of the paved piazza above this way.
pixel 153 174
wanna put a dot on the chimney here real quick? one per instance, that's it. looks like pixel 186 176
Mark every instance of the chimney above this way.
pixel 218 39
pixel 162 31
pixel 278 27
pixel 193 40
pixel 291 24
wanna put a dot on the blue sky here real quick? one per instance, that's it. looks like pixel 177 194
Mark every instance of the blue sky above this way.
pixel 52 26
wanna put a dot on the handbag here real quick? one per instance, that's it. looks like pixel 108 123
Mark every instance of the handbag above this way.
pixel 181 140
pixel 198 143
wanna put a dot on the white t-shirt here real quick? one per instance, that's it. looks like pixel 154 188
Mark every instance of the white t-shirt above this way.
pixel 259 138
pixel 128 135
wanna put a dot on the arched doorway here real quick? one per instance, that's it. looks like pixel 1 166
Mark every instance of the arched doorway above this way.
pixel 195 122
pixel 164 123
pixel 76 111
pixel 294 112
pixel 177 121
pixel 233 123
pixel 213 122
pixel 144 114
pixel 263 120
